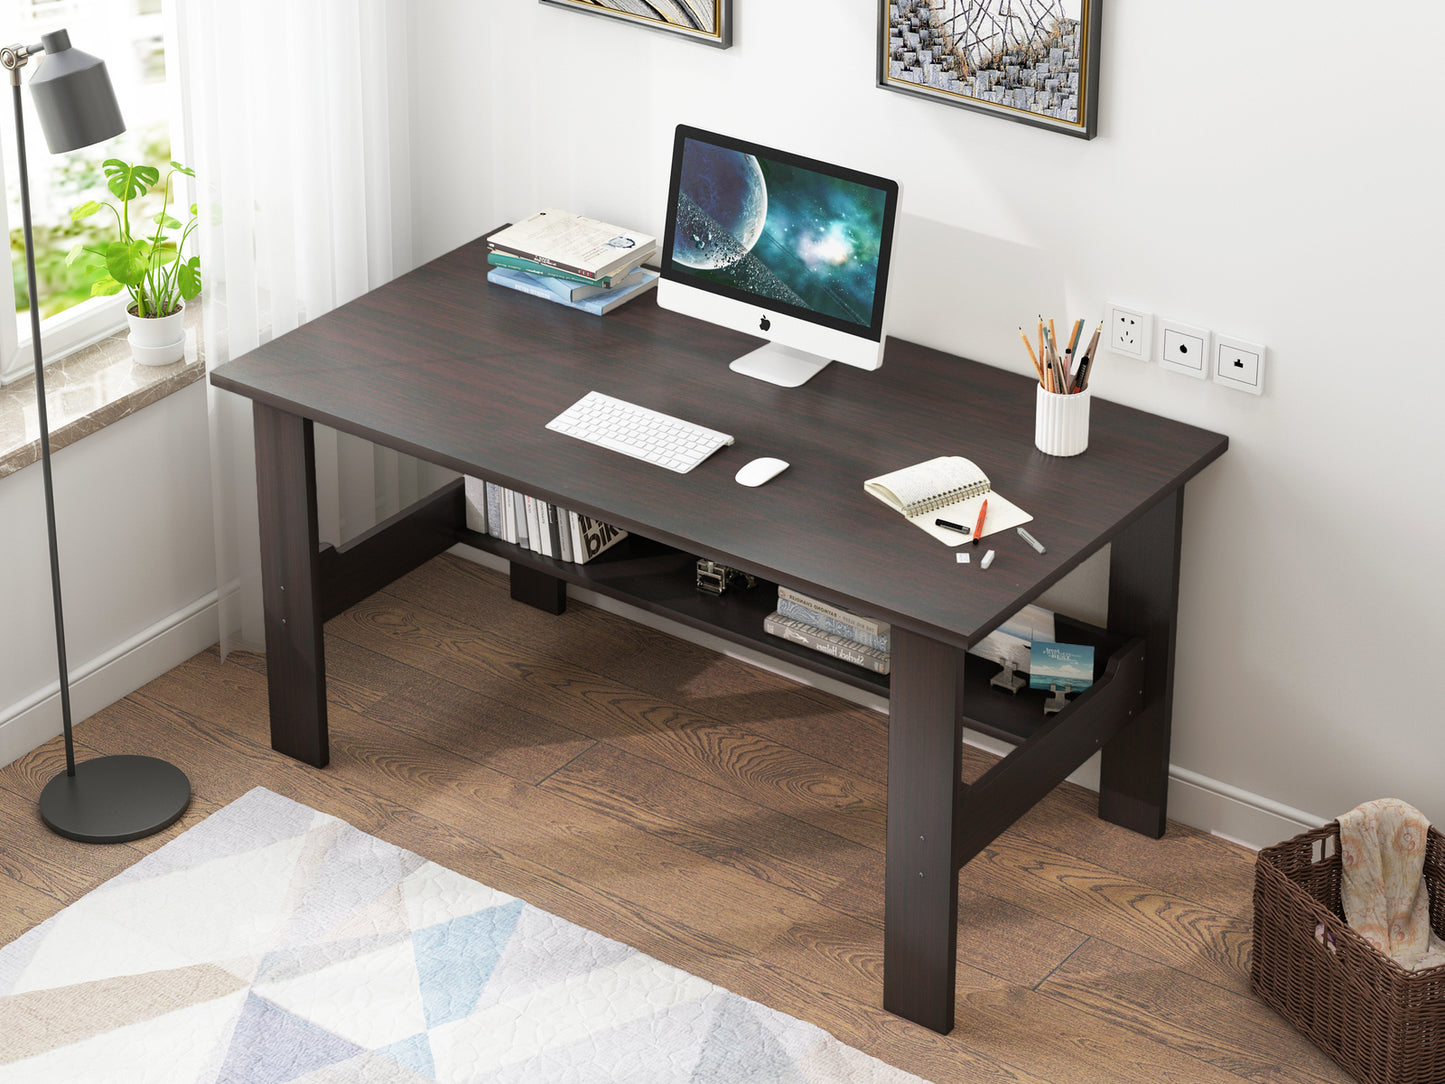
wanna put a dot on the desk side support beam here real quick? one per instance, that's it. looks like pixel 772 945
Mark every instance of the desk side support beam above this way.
pixel 920 911
pixel 291 584
pixel 1144 601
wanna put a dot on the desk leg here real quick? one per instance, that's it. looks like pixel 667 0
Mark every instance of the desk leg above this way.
pixel 920 922
pixel 291 584
pixel 1144 601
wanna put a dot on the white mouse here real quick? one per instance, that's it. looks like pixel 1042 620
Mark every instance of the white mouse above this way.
pixel 761 470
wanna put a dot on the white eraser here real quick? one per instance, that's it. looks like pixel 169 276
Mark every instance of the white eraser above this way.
pixel 961 558
pixel 987 560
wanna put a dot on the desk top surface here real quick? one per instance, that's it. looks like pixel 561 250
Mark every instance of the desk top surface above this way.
pixel 446 366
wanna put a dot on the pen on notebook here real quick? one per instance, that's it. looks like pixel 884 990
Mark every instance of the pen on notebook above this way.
pixel 1031 540
pixel 952 526
pixel 978 527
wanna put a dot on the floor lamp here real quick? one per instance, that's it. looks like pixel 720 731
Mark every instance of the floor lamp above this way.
pixel 117 798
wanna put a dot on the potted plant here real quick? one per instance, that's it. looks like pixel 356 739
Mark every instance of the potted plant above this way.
pixel 152 266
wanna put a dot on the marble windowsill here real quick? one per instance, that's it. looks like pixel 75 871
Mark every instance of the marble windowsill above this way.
pixel 87 391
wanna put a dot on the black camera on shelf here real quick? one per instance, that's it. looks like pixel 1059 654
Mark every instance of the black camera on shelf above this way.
pixel 716 579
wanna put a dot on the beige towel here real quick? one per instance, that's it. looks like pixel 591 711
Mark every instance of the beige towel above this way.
pixel 1382 846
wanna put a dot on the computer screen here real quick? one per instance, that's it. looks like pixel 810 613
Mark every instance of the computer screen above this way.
pixel 774 244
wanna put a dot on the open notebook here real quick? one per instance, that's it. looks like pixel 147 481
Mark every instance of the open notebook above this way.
pixel 949 487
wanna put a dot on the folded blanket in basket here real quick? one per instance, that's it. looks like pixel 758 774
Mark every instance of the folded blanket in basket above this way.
pixel 1386 900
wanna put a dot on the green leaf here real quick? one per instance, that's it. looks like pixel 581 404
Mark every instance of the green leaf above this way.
pixel 105 287
pixel 85 210
pixel 188 277
pixel 126 262
pixel 165 221
pixel 187 170
pixel 129 182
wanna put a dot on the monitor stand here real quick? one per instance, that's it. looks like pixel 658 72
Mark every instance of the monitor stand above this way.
pixel 781 365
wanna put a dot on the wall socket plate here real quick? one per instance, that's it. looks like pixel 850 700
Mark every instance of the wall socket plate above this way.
pixel 1127 330
pixel 1239 364
pixel 1184 348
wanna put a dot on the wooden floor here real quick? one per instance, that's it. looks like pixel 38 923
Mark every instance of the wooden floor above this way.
pixel 717 817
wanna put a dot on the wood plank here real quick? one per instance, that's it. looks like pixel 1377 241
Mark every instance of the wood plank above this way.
pixel 1196 940
pixel 1235 1032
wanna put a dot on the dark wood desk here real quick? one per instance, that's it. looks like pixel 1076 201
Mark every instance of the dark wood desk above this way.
pixel 444 366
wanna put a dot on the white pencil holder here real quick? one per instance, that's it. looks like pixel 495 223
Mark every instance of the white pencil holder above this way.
pixel 1061 422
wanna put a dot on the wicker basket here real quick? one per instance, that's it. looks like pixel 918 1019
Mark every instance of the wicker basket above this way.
pixel 1384 1024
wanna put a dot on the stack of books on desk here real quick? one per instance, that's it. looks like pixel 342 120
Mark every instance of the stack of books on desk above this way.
pixel 830 630
pixel 573 260
pixel 537 525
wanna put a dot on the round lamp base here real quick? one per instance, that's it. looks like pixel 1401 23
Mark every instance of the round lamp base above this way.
pixel 115 799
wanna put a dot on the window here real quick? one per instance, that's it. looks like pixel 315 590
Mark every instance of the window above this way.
pixel 129 35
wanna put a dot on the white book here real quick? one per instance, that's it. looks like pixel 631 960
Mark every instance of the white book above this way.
pixel 534 533
pixel 475 492
pixel 519 515
pixel 950 488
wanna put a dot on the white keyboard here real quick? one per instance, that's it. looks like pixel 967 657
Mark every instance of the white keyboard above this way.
pixel 636 431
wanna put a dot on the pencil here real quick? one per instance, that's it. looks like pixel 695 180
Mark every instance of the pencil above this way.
pixel 1032 356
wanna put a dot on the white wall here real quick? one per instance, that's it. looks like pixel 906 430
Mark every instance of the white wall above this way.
pixel 138 571
pixel 1262 170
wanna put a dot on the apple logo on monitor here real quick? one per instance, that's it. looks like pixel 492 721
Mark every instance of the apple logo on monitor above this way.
pixel 764 324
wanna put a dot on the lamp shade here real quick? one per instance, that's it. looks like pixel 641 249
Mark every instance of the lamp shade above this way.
pixel 73 96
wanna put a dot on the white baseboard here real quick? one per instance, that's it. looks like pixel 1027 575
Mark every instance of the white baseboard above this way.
pixel 102 681
pixel 1196 800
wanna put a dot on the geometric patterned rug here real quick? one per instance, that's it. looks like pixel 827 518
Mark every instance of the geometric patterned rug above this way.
pixel 275 943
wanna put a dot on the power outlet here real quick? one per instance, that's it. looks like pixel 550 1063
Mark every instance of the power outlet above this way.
pixel 1127 331
pixel 1239 364
pixel 1183 348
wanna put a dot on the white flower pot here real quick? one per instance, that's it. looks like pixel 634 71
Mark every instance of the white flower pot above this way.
pixel 158 340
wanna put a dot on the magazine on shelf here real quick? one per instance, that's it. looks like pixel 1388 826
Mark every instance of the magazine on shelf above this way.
pixel 1069 667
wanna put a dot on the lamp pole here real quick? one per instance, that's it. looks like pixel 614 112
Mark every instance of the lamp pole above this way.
pixel 14 58
pixel 116 798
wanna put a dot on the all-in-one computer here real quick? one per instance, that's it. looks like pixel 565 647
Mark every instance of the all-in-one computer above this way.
pixel 787 248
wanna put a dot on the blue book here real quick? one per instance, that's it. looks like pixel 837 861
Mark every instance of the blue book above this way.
pixel 639 282
pixel 1069 667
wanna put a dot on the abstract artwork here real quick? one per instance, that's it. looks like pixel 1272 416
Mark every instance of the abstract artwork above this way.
pixel 1033 61
pixel 707 21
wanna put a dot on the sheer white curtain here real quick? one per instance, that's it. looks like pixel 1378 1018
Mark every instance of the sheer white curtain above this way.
pixel 295 116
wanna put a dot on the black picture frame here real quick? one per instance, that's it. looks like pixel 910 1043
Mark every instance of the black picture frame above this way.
pixel 1035 62
pixel 689 19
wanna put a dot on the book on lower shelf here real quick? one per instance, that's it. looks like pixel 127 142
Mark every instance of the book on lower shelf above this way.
pixel 544 528
pixel 827 643
pixel 834 619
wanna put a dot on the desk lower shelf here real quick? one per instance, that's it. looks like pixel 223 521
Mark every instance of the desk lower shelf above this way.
pixel 662 580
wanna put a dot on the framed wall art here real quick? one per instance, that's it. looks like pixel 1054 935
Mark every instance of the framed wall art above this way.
pixel 1032 61
pixel 708 21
